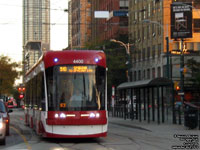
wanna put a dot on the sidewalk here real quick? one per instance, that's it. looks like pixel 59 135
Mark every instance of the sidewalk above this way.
pixel 164 129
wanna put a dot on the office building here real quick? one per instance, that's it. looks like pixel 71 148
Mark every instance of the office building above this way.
pixel 149 25
pixel 112 27
pixel 79 23
pixel 36 30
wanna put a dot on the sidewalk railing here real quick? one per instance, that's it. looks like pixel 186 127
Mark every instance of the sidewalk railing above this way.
pixel 182 116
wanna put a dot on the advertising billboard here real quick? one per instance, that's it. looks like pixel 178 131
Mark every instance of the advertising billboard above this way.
pixel 181 20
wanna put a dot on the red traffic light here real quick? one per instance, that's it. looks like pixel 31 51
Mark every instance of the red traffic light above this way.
pixel 21 96
pixel 21 89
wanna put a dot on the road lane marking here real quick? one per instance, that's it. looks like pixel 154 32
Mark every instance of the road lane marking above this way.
pixel 23 137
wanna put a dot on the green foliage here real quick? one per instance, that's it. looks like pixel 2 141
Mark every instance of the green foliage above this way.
pixel 116 59
pixel 194 72
pixel 8 74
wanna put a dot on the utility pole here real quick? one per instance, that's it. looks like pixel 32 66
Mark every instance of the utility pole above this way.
pixel 181 72
pixel 167 47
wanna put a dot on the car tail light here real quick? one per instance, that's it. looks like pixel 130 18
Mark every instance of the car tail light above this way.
pixel 6 120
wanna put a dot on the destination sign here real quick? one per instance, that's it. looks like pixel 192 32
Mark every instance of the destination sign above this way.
pixel 76 69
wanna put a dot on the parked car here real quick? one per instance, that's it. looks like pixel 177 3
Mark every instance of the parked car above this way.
pixel 2 131
pixel 4 111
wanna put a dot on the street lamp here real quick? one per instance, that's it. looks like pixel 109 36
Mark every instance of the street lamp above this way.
pixel 127 47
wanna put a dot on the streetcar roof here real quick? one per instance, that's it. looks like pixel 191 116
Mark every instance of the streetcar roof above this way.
pixel 53 58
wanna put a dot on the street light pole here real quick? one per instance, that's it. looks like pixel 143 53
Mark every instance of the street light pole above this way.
pixel 181 72
pixel 127 47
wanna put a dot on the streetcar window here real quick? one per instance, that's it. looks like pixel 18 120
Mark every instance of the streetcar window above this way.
pixel 34 96
pixel 78 89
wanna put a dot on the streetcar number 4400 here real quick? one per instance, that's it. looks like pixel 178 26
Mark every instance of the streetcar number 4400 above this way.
pixel 78 61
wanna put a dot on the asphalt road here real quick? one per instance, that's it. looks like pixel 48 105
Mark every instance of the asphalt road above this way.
pixel 120 137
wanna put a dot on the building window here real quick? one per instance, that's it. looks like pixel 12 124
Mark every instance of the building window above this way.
pixel 144 12
pixel 153 30
pixel 153 73
pixel 144 74
pixel 136 1
pixel 153 51
pixel 159 50
pixel 159 72
pixel 135 76
pixel 138 35
pixel 140 16
pixel 148 73
pixel 143 53
pixel 139 55
pixel 148 52
pixel 196 25
pixel 149 10
pixel 123 4
pixel 136 16
pixel 148 31
pixel 153 8
pixel 139 75
pixel 143 33
pixel 159 28
pixel 196 4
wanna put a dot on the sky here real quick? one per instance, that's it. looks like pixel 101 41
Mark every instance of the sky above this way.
pixel 11 27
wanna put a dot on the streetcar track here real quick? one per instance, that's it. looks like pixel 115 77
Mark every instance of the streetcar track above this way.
pixel 130 126
pixel 133 142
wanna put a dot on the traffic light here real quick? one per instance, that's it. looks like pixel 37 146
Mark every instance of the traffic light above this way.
pixel 21 96
pixel 21 89
pixel 177 88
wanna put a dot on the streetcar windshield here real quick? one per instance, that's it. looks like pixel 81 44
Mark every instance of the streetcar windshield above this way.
pixel 76 88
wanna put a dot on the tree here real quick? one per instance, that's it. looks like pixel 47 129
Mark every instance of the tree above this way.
pixel 116 61
pixel 8 75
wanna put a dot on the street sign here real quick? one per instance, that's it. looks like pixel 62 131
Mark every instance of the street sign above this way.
pixel 120 13
pixel 101 14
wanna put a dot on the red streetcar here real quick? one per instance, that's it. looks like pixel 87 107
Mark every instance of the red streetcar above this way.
pixel 66 95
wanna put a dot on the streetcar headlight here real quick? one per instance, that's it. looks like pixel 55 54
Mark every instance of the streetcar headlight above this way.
pixel 97 115
pixel 92 115
pixel 56 115
pixel 96 60
pixel 62 115
pixel 55 59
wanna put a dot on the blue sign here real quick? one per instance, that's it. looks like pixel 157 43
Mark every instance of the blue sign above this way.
pixel 120 13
